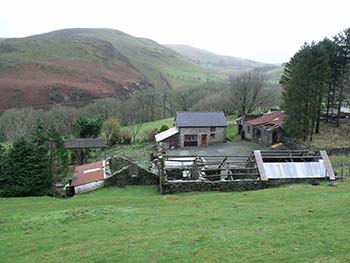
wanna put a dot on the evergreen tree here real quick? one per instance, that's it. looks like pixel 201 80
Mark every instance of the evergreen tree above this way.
pixel 88 127
pixel 58 154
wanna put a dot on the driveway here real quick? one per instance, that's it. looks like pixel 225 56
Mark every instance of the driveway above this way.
pixel 220 149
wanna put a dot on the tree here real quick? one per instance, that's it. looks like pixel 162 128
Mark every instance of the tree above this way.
pixel 135 129
pixel 304 83
pixel 342 41
pixel 246 92
pixel 88 127
pixel 111 131
pixel 59 158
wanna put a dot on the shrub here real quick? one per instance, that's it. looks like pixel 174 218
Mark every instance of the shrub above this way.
pixel 149 135
pixel 111 131
pixel 125 137
pixel 164 128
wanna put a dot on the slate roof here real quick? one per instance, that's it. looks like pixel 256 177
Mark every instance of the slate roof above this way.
pixel 88 173
pixel 200 119
pixel 84 143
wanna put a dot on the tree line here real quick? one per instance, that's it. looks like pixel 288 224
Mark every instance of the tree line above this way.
pixel 316 85
pixel 239 95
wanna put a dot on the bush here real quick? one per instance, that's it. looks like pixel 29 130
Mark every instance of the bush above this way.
pixel 111 131
pixel 164 128
pixel 149 135
pixel 125 137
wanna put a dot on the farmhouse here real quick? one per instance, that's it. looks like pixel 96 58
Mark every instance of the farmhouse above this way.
pixel 265 130
pixel 194 129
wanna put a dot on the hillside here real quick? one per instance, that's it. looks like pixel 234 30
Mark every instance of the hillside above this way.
pixel 214 61
pixel 297 223
pixel 76 65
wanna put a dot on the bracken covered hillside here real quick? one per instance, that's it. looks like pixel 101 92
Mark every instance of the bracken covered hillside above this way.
pixel 77 65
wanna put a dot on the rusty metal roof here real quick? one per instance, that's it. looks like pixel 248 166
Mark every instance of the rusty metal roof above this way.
pixel 272 118
pixel 88 173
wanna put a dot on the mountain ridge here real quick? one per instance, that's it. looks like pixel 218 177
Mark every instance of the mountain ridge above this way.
pixel 213 60
pixel 69 66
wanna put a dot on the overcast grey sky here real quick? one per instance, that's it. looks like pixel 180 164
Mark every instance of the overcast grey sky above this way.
pixel 265 30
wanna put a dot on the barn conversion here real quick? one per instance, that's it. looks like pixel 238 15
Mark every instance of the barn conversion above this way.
pixel 265 130
pixel 194 129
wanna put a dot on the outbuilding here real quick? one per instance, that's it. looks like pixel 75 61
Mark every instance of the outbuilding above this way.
pixel 265 130
pixel 193 129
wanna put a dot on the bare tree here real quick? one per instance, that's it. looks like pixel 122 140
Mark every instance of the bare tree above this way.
pixel 246 92
pixel 135 129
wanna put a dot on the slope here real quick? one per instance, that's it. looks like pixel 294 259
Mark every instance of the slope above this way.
pixel 77 65
pixel 298 223
pixel 211 60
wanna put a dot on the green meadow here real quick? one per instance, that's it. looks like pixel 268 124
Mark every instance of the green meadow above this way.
pixel 295 223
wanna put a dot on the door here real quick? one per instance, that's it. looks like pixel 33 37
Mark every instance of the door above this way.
pixel 204 140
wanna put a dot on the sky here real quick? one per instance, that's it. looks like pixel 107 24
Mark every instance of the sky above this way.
pixel 266 30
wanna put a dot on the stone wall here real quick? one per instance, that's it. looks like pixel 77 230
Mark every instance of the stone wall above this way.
pixel 227 186
pixel 339 151
pixel 220 134
pixel 126 172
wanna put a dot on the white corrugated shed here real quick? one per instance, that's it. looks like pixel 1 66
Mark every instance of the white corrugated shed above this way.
pixel 166 134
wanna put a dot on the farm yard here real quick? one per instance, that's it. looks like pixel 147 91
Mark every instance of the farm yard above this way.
pixel 296 223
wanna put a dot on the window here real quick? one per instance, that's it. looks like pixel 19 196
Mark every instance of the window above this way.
pixel 212 136
pixel 258 133
pixel 190 138
pixel 212 129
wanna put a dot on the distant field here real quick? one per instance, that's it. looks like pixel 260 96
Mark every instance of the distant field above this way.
pixel 146 126
pixel 298 223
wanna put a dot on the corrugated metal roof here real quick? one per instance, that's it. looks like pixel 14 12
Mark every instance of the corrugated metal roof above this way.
pixel 272 118
pixel 200 119
pixel 166 134
pixel 85 143
pixel 295 170
pixel 88 173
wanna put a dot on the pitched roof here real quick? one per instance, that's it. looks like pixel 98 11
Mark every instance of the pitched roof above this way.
pixel 84 143
pixel 272 118
pixel 166 134
pixel 88 173
pixel 200 119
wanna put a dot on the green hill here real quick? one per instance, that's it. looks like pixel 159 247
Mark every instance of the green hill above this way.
pixel 297 223
pixel 73 65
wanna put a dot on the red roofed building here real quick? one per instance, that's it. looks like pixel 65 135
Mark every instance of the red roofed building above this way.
pixel 90 176
pixel 265 130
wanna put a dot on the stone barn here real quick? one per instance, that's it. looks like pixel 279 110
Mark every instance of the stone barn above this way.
pixel 265 130
pixel 194 129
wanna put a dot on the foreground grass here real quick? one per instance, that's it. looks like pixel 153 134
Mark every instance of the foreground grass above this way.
pixel 299 223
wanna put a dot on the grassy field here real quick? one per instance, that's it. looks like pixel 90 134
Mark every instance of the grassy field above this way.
pixel 146 126
pixel 297 223
pixel 331 137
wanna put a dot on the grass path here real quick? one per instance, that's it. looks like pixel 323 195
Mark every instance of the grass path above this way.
pixel 297 223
